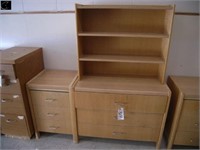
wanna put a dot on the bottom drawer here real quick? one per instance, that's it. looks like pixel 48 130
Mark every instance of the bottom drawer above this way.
pixel 119 132
pixel 187 138
pixel 54 126
pixel 14 125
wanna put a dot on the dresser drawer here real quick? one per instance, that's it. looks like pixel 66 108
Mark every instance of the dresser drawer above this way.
pixel 131 103
pixel 58 126
pixel 187 138
pixel 14 125
pixel 13 88
pixel 118 132
pixel 42 99
pixel 12 104
pixel 52 113
pixel 110 118
pixel 8 70
pixel 189 120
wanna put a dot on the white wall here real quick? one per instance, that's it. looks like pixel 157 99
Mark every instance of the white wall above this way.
pixel 56 33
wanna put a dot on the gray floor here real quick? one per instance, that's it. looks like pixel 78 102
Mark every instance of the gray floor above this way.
pixel 59 141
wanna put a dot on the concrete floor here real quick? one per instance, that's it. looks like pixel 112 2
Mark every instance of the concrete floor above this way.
pixel 59 141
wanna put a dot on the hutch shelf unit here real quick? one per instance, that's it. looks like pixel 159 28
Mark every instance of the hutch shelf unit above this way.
pixel 18 66
pixel 122 56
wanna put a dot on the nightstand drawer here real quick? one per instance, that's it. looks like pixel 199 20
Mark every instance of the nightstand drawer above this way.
pixel 58 126
pixel 52 113
pixel 8 71
pixel 189 120
pixel 118 132
pixel 187 138
pixel 13 88
pixel 110 118
pixel 131 103
pixel 12 104
pixel 14 125
pixel 50 99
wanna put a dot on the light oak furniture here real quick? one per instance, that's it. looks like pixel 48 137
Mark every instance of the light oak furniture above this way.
pixel 122 56
pixel 18 66
pixel 49 101
pixel 182 126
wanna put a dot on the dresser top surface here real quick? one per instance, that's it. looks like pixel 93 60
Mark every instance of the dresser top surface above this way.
pixel 189 86
pixel 144 86
pixel 11 55
pixel 53 80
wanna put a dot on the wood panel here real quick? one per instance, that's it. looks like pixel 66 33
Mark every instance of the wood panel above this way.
pixel 120 69
pixel 131 103
pixel 118 132
pixel 91 20
pixel 110 118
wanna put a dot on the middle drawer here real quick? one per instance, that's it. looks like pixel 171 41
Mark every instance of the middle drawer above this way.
pixel 12 104
pixel 110 118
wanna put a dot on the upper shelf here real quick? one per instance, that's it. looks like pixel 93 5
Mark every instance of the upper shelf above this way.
pixel 119 58
pixel 158 7
pixel 124 34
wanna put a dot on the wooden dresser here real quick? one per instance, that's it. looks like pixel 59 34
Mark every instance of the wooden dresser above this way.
pixel 49 101
pixel 182 126
pixel 122 57
pixel 18 65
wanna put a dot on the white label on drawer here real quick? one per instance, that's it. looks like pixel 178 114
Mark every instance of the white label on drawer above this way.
pixel 120 114
pixel 20 117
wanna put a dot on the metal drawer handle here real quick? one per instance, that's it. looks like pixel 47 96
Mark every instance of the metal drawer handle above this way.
pixel 118 133
pixel 115 117
pixel 191 140
pixel 120 103
pixel 196 124
pixel 15 96
pixel 5 100
pixel 53 128
pixel 49 100
pixel 2 115
pixel 51 114
pixel 10 120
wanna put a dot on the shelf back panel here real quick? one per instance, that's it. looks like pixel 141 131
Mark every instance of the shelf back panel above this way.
pixel 119 69
pixel 120 46
pixel 122 20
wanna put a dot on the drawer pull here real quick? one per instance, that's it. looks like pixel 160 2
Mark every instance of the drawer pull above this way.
pixel 191 140
pixel 196 124
pixel 118 133
pixel 2 115
pixel 51 114
pixel 10 121
pixel 49 100
pixel 120 103
pixel 53 128
pixel 15 96
pixel 5 100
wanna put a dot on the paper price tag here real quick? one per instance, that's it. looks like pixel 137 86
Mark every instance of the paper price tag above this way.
pixel 120 114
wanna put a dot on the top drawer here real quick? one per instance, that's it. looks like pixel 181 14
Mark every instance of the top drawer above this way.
pixel 50 99
pixel 131 103
pixel 8 70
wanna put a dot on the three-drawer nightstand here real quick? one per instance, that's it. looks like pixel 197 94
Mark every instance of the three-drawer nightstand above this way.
pixel 49 100
pixel 18 66
pixel 182 125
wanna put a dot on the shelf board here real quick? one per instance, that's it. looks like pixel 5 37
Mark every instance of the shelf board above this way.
pixel 119 58
pixel 146 86
pixel 124 34
pixel 147 7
